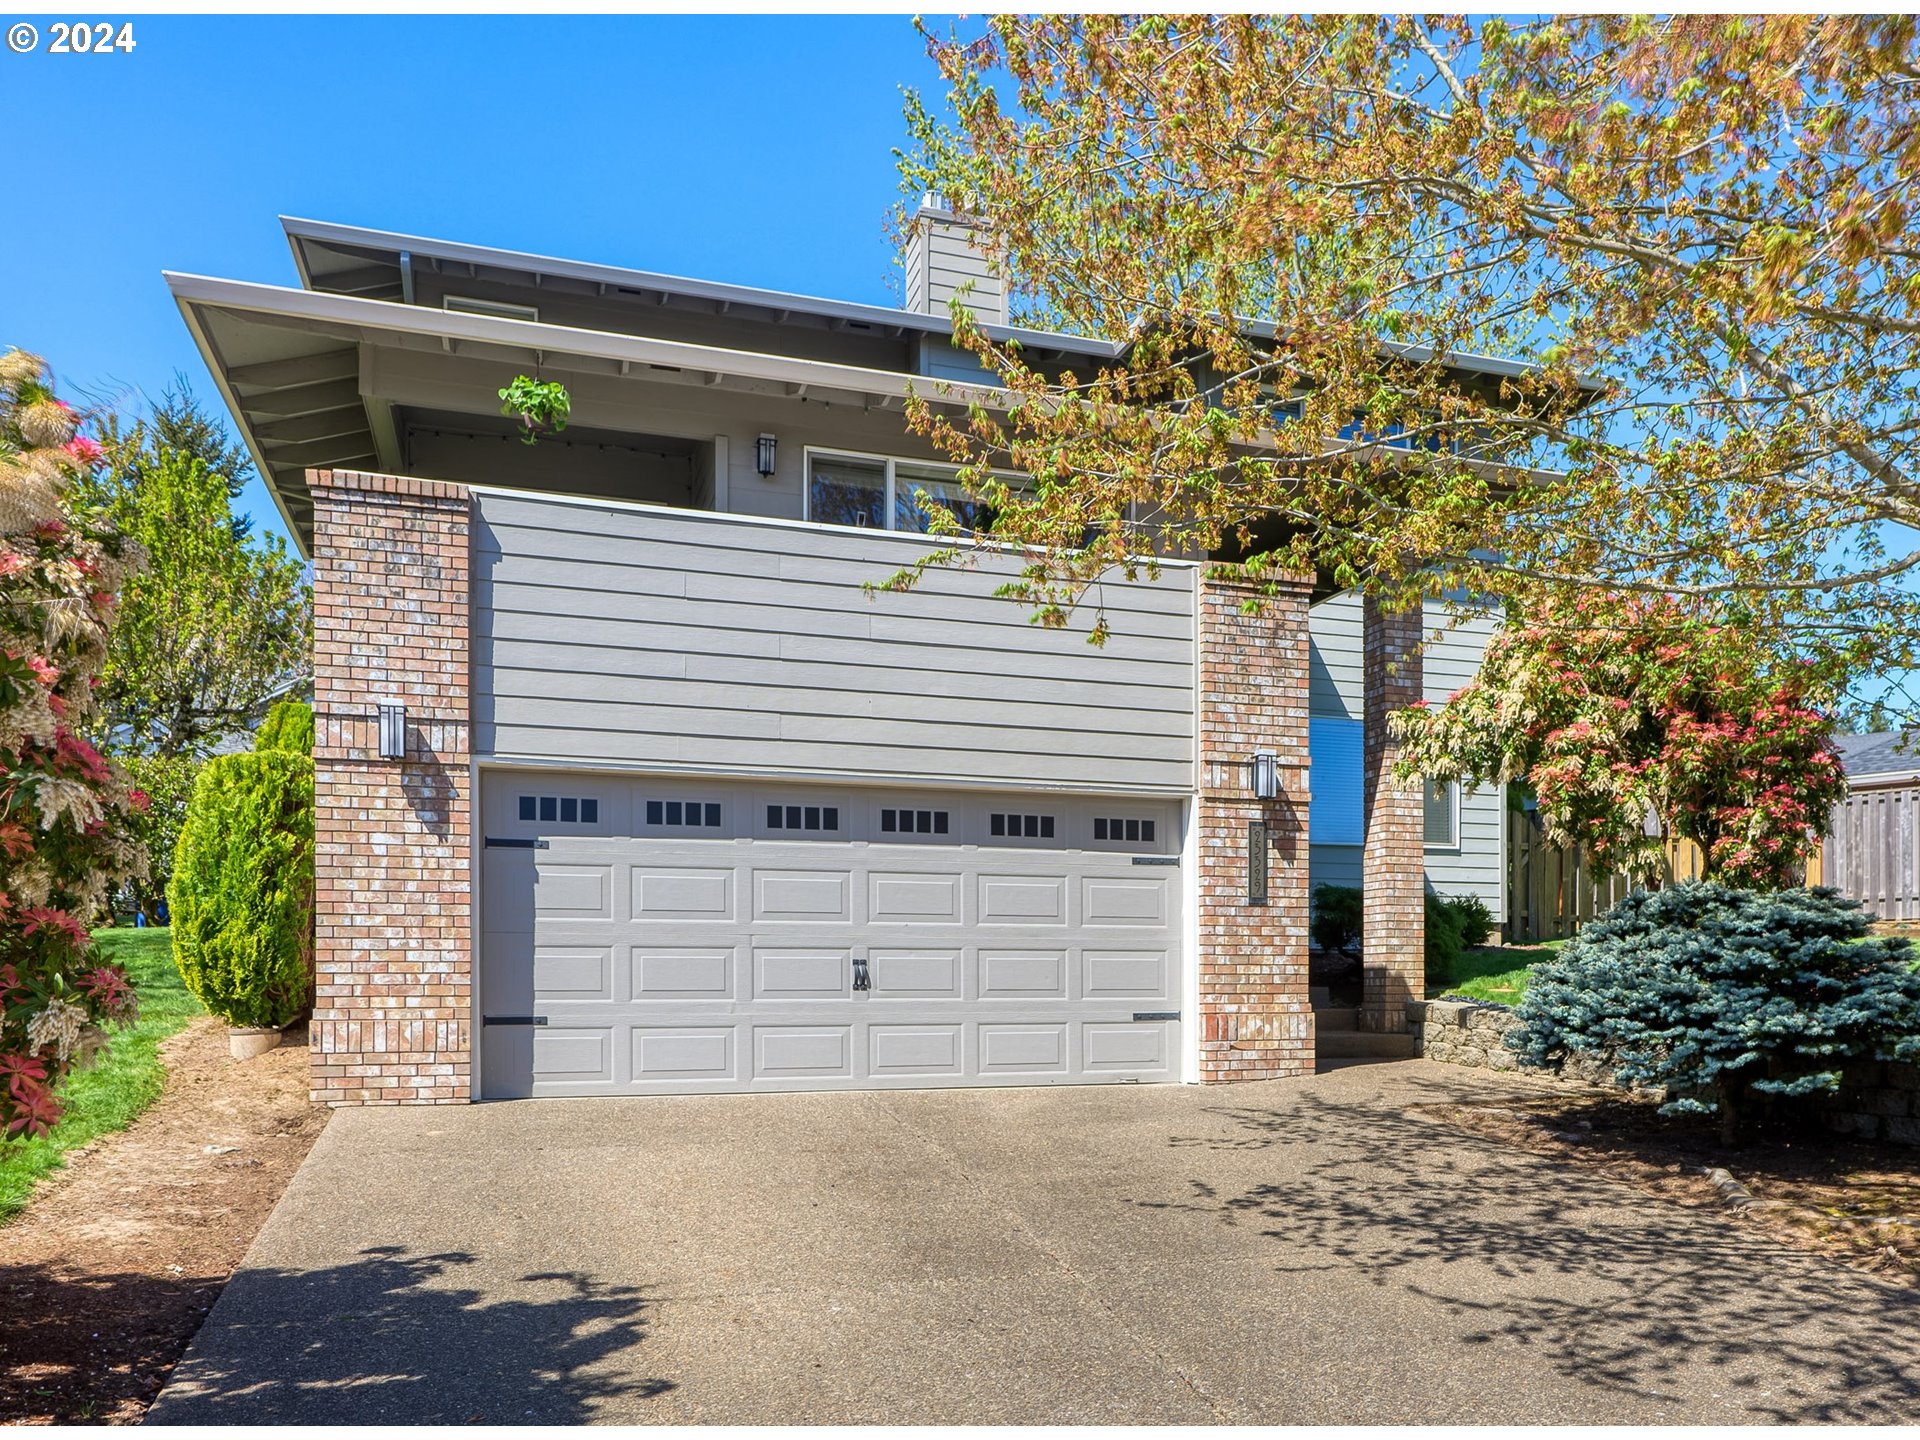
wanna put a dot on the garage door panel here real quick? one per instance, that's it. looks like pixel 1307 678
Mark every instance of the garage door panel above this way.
pixel 1007 1049
pixel 1127 974
pixel 573 972
pixel 925 1050
pixel 802 974
pixel 681 1053
pixel 573 892
pixel 807 897
pixel 1022 974
pixel 683 972
pixel 916 974
pixel 899 898
pixel 1123 900
pixel 802 1052
pixel 696 894
pixel 573 1057
pixel 1135 1045
pixel 655 962
pixel 1023 900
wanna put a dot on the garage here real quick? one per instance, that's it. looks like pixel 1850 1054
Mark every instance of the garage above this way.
pixel 644 936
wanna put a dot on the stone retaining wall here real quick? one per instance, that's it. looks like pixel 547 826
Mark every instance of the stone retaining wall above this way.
pixel 1879 1101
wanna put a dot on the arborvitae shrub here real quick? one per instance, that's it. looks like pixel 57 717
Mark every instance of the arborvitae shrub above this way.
pixel 1445 944
pixel 242 888
pixel 1728 999
pixel 288 727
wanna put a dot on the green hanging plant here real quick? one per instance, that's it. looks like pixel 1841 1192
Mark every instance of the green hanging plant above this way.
pixel 541 406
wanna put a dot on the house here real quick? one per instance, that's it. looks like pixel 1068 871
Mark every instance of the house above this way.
pixel 1872 852
pixel 628 784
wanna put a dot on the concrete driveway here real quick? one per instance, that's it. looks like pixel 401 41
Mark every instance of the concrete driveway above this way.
pixel 1296 1251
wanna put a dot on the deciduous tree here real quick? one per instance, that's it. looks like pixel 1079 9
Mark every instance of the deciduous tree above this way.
pixel 1696 233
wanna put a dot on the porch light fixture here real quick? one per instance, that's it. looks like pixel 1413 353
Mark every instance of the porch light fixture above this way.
pixel 1266 775
pixel 763 454
pixel 393 730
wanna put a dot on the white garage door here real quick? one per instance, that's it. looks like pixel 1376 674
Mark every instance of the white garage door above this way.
pixel 641 937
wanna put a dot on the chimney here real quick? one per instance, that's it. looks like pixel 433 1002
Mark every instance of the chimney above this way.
pixel 942 257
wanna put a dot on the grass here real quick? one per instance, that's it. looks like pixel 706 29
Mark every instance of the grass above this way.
pixel 1497 973
pixel 124 1079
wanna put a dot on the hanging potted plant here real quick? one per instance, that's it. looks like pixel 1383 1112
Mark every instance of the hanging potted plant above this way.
pixel 541 406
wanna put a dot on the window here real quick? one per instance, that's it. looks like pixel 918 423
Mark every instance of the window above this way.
pixel 1442 814
pixel 874 492
pixel 560 809
pixel 1131 829
pixel 1336 813
pixel 914 822
pixel 1018 827
pixel 803 817
pixel 690 814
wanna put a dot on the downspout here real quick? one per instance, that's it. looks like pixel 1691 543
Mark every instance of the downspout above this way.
pixel 406 277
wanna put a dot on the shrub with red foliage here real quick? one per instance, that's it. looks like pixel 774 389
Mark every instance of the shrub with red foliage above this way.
pixel 1626 710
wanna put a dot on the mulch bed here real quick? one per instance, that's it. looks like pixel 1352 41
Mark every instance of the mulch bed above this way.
pixel 1854 1202
pixel 107 1274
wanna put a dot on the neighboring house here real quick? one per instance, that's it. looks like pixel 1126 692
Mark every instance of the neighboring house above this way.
pixel 627 784
pixel 1873 852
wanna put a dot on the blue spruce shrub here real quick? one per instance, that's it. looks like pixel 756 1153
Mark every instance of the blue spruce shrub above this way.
pixel 1727 998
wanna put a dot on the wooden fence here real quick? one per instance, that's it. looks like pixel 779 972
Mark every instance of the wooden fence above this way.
pixel 1873 855
pixel 1551 892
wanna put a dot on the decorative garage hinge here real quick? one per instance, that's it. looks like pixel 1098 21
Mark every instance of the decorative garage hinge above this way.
pixel 1156 1014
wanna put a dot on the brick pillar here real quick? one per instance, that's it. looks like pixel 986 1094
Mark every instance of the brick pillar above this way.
pixel 1395 863
pixel 393 1007
pixel 1256 1022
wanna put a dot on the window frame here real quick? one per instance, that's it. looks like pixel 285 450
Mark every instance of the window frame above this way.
pixel 1454 789
pixel 890 502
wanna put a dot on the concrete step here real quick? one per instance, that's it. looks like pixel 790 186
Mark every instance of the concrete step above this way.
pixel 1335 1017
pixel 1363 1045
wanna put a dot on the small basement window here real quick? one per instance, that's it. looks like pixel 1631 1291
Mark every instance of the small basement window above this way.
pixel 560 809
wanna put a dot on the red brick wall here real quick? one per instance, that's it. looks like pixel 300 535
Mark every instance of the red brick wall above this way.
pixel 1394 862
pixel 393 839
pixel 1256 1022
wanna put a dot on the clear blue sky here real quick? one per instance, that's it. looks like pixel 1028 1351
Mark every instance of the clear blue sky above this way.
pixel 756 150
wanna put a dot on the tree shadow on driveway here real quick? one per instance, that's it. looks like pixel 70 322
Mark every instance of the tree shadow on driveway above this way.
pixel 395 1338
pixel 1594 1282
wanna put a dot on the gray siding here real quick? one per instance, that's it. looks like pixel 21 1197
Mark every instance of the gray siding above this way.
pixel 623 635
pixel 1336 689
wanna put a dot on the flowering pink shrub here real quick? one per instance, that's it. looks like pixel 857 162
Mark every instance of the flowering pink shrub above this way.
pixel 62 805
pixel 1621 711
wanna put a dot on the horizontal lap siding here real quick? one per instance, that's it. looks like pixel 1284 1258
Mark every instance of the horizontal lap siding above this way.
pixel 621 636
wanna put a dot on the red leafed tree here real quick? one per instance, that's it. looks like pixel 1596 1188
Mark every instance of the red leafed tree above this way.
pixel 63 807
pixel 1624 710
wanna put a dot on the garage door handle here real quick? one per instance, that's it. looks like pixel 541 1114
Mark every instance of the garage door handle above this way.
pixel 862 979
pixel 509 842
pixel 513 1020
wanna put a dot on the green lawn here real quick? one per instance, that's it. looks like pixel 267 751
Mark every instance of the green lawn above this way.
pixel 123 1080
pixel 1497 973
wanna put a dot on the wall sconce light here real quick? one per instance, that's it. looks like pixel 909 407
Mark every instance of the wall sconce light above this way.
pixel 763 454
pixel 393 730
pixel 1265 775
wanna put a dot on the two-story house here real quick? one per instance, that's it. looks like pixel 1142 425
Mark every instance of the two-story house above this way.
pixel 627 783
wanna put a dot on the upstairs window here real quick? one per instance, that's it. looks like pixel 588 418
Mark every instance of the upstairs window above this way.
pixel 875 492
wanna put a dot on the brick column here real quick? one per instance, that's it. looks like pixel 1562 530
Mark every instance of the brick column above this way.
pixel 392 838
pixel 1394 869
pixel 1256 1022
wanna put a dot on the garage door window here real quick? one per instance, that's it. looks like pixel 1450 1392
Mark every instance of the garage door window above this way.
pixel 915 822
pixel 560 809
pixel 1125 830
pixel 804 818
pixel 1007 825
pixel 684 814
